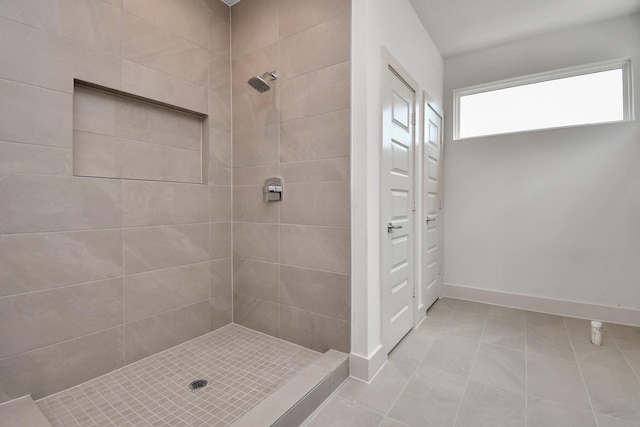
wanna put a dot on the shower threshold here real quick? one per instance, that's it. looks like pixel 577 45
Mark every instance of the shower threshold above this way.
pixel 251 379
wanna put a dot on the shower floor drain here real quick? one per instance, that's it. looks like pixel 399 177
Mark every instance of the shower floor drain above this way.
pixel 198 384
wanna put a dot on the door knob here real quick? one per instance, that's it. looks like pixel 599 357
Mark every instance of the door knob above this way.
pixel 430 219
pixel 390 227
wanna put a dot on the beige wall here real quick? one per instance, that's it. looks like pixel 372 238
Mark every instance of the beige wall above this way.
pixel 291 259
pixel 96 273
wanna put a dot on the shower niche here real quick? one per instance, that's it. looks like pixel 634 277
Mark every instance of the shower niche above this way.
pixel 119 135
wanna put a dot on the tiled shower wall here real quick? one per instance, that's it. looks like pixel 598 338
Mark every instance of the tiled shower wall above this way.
pixel 291 259
pixel 96 273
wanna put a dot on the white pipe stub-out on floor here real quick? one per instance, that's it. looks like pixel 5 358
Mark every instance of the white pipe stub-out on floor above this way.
pixel 596 332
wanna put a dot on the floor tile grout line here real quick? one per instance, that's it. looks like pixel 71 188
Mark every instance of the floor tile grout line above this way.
pixel 466 386
pixel 584 383
pixel 615 341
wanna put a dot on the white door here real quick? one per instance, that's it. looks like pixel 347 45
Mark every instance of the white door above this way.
pixel 396 210
pixel 431 148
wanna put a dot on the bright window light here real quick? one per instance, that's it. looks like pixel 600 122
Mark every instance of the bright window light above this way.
pixel 546 101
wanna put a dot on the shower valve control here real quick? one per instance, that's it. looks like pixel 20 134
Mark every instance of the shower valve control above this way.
pixel 272 190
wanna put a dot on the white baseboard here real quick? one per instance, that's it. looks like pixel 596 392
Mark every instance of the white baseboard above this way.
pixel 605 313
pixel 365 368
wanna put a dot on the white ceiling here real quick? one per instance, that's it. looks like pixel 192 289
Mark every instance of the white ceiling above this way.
pixel 460 26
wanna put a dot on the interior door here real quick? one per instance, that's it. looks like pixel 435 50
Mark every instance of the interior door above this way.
pixel 431 250
pixel 396 211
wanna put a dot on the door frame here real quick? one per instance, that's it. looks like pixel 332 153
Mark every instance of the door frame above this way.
pixel 427 101
pixel 389 63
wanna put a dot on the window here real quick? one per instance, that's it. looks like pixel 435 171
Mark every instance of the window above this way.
pixel 597 93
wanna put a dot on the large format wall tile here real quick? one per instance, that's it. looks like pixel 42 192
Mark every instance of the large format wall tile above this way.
pixel 61 314
pixel 298 15
pixel 46 203
pixel 151 123
pixel 220 110
pixel 107 156
pixel 221 272
pixel 92 22
pixel 153 334
pixel 149 83
pixel 256 147
pixel 253 109
pixel 164 203
pixel 254 25
pixel 188 18
pixel 325 44
pixel 220 203
pixel 54 368
pixel 256 278
pixel 317 291
pixel 254 175
pixel 316 137
pixel 219 148
pixel 35 115
pixel 158 291
pixel 317 203
pixel 248 206
pixel 256 313
pixel 163 50
pixel 18 158
pixel 153 248
pixel 220 242
pixel 31 262
pixel 256 241
pixel 317 92
pixel 322 248
pixel 221 310
pixel 94 110
pixel 26 51
pixel 317 171
pixel 314 331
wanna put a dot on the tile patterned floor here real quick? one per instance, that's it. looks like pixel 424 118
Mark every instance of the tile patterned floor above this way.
pixel 241 365
pixel 478 365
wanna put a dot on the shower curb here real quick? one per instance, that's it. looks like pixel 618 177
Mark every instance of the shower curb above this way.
pixel 22 412
pixel 292 403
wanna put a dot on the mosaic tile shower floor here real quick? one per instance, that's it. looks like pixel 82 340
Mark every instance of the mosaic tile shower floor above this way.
pixel 242 367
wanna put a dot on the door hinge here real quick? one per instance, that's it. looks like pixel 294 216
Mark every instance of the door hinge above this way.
pixel 439 269
pixel 413 118
pixel 440 203
pixel 413 209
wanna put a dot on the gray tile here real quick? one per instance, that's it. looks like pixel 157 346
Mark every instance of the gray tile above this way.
pixel 143 121
pixel 257 314
pixel 219 148
pixel 189 18
pixel 317 291
pixel 256 278
pixel 544 413
pixel 342 412
pixel 322 248
pixel 316 137
pixel 306 405
pixel 317 203
pixel 613 392
pixel 154 334
pixel 381 393
pixel 413 348
pixel 556 380
pixel 317 92
pixel 18 158
pixel 94 110
pixel 58 203
pixel 153 248
pixel 112 157
pixel 606 421
pixel 314 331
pixel 256 147
pixel 149 83
pixel 32 262
pixel 486 405
pixel 298 15
pixel 336 169
pixel 163 50
pixel 256 241
pixel 220 203
pixel 504 332
pixel 255 175
pixel 221 273
pixel 253 110
pixel 452 354
pixel 320 46
pixel 249 206
pixel 465 324
pixel 220 110
pixel 220 240
pixel 38 319
pixel 500 367
pixel 54 368
pixel 35 115
pixel 154 292
pixel 550 339
pixel 164 203
pixel 254 25
pixel 390 422
pixel 221 310
pixel 443 390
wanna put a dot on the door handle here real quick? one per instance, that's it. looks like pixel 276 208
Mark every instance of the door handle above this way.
pixel 390 227
pixel 430 219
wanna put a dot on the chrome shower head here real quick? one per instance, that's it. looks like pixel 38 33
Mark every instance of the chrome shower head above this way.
pixel 260 84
